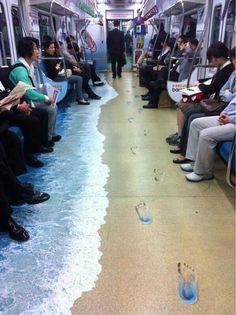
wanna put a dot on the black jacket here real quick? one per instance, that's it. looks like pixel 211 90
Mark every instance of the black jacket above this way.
pixel 115 42
pixel 218 80
pixel 50 65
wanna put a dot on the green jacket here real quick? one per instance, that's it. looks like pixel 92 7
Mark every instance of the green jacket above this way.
pixel 21 74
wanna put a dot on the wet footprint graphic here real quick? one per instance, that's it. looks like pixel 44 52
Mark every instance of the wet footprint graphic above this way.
pixel 187 284
pixel 157 175
pixel 145 132
pixel 134 149
pixel 130 119
pixel 142 212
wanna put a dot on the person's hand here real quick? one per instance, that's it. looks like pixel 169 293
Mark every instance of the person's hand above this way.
pixel 58 66
pixel 24 108
pixel 224 119
pixel 196 83
pixel 155 68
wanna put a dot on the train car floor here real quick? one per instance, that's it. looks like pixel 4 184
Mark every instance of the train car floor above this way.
pixel 191 225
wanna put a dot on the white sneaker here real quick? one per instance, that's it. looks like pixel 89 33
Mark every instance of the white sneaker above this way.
pixel 187 167
pixel 193 177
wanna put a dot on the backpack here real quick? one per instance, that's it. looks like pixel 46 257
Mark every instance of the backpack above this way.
pixel 4 77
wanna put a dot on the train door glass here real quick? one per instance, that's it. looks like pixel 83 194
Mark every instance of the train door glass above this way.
pixel 124 26
pixel 45 26
pixel 189 27
pixel 16 24
pixel 229 27
pixel 5 53
pixel 216 24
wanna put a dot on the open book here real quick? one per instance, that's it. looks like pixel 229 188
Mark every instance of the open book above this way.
pixel 193 90
pixel 52 92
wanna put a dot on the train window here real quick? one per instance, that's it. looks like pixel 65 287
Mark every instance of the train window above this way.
pixel 45 26
pixel 189 27
pixel 5 53
pixel 16 24
pixel 229 27
pixel 216 24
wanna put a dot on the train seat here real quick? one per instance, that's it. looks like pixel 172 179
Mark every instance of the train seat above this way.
pixel 62 86
pixel 174 87
pixel 226 151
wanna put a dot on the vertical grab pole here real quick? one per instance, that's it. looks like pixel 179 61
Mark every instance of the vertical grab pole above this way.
pixel 55 35
pixel 180 30
pixel 207 11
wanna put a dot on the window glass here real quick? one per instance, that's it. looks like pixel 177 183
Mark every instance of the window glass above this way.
pixel 216 24
pixel 5 53
pixel 229 27
pixel 16 24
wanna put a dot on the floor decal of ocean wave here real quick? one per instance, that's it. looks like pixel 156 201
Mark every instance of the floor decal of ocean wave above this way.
pixel 45 275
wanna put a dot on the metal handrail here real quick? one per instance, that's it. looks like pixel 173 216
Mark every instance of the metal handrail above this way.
pixel 55 36
pixel 197 52
pixel 180 29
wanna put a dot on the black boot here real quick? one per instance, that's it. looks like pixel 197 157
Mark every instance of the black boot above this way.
pixel 94 96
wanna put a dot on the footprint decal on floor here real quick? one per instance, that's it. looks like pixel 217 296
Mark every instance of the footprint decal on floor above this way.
pixel 134 149
pixel 143 214
pixel 158 175
pixel 187 284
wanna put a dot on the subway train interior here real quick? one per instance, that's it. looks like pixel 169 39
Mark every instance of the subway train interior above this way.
pixel 117 157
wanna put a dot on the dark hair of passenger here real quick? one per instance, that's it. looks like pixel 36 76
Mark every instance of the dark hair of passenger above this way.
pixel 47 44
pixel 116 23
pixel 47 38
pixel 183 38
pixel 194 42
pixel 217 50
pixel 26 46
pixel 69 38
pixel 233 53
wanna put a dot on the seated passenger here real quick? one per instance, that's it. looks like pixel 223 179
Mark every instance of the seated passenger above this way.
pixel 22 117
pixel 13 191
pixel 76 70
pixel 204 135
pixel 28 52
pixel 185 64
pixel 55 71
pixel 217 55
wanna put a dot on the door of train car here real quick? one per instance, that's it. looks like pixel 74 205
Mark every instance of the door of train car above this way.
pixel 126 25
pixel 8 11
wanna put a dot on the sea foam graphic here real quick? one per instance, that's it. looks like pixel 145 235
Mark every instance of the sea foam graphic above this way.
pixel 45 275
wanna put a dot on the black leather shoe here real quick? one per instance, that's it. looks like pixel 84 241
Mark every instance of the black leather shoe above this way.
pixel 146 98
pixel 32 161
pixel 34 197
pixel 16 231
pixel 49 144
pixel 45 149
pixel 150 106
pixel 119 76
pixel 94 96
pixel 56 138
pixel 143 95
pixel 114 76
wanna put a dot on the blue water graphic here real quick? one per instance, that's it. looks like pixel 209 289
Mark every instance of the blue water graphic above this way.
pixel 45 275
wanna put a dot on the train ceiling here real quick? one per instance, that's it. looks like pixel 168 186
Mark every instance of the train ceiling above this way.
pixel 120 3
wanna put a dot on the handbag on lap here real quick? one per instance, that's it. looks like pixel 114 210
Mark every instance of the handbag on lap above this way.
pixel 212 107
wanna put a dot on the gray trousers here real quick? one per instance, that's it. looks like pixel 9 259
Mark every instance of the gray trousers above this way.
pixel 204 135
pixel 52 117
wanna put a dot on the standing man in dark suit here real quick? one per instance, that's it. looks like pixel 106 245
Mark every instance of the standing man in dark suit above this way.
pixel 116 49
